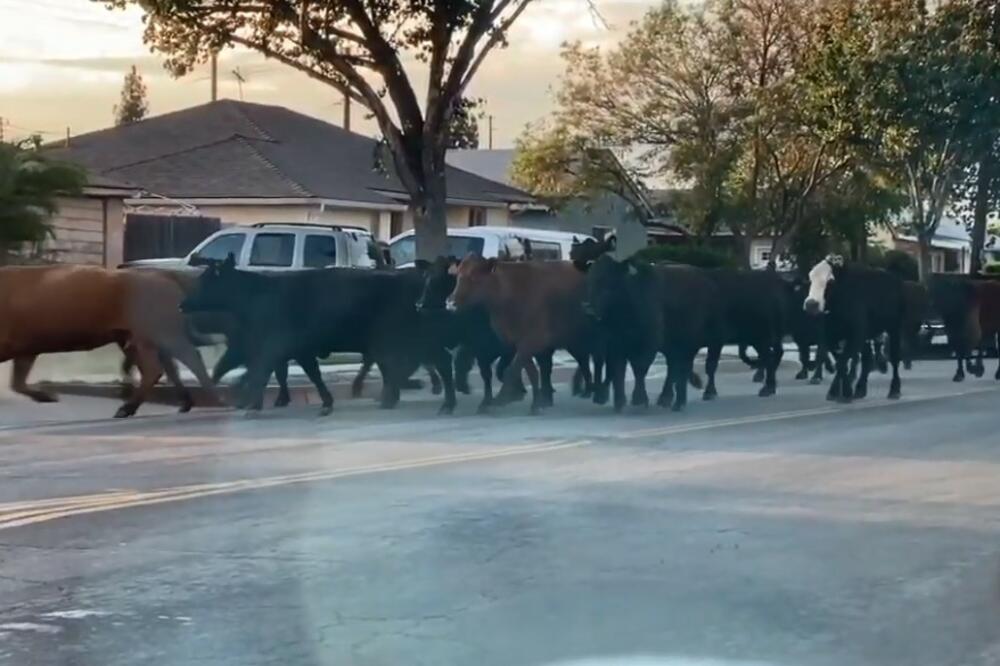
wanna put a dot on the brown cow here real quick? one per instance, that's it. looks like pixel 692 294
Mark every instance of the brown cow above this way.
pixel 534 307
pixel 50 309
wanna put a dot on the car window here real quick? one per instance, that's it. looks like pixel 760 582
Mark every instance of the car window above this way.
pixel 404 251
pixel 511 248
pixel 319 252
pixel 221 247
pixel 272 250
pixel 546 251
pixel 359 250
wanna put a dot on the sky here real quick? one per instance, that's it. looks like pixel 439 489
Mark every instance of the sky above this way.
pixel 62 63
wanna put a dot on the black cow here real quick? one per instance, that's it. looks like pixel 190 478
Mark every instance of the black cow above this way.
pixel 858 304
pixel 309 314
pixel 953 298
pixel 648 309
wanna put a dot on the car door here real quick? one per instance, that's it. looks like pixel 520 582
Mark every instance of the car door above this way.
pixel 319 251
pixel 219 248
pixel 272 251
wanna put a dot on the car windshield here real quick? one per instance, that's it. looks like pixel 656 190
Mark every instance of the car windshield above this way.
pixel 404 251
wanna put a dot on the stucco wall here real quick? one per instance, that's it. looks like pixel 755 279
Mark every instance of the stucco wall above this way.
pixel 250 214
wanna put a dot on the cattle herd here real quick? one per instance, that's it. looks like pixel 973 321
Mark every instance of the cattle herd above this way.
pixel 448 315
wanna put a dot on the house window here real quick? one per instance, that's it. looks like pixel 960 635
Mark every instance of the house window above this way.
pixel 937 262
pixel 272 250
pixel 395 223
pixel 762 255
pixel 477 217
pixel 951 262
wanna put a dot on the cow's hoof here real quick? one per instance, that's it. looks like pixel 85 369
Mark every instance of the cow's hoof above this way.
pixel 816 381
pixel 893 395
pixel 640 400
pixel 978 372
pixel 844 400
pixel 326 410
pixel 766 391
pixel 601 395
pixel 677 408
pixel 282 401
pixel 758 376
pixel 356 390
pixel 185 407
pixel 446 409
pixel 958 378
pixel 997 377
pixel 710 394
pixel 801 374
pixel 462 386
pixel 664 400
pixel 695 380
pixel 124 412
pixel 43 396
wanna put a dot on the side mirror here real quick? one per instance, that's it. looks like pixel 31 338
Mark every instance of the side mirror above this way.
pixel 198 260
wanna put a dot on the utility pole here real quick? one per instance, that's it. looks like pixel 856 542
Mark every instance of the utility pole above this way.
pixel 1 129
pixel 215 76
pixel 67 136
pixel 489 120
pixel 347 112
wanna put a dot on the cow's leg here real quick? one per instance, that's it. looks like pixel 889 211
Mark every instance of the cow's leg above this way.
pixel 959 369
pixel 822 362
pixel 184 397
pixel 128 364
pixel 464 358
pixel 515 389
pixel 442 362
pixel 522 360
pixel 19 380
pixel 881 363
pixel 281 375
pixel 582 359
pixel 485 362
pixel 996 339
pixel 803 361
pixel 979 369
pixel 868 354
pixel 711 366
pixel 310 365
pixel 895 350
pixel 598 354
pixel 666 397
pixel 685 361
pixel 185 352
pixel 358 384
pixel 231 359
pixel 845 362
pixel 640 363
pixel 767 361
pixel 616 369
pixel 146 359
pixel 435 376
pixel 544 361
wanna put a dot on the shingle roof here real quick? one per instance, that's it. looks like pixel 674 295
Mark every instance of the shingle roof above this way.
pixel 493 164
pixel 228 149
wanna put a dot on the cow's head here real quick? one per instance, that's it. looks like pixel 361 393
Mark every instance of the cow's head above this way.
pixel 439 282
pixel 584 253
pixel 474 281
pixel 821 277
pixel 215 289
pixel 606 284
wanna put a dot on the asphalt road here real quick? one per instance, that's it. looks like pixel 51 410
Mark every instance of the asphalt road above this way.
pixel 785 531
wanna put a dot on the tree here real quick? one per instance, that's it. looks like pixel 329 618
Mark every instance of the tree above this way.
pixel 358 48
pixel 133 105
pixel 463 129
pixel 899 85
pixel 557 166
pixel 29 185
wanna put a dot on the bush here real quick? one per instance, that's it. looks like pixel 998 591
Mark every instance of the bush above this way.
pixel 992 269
pixel 695 255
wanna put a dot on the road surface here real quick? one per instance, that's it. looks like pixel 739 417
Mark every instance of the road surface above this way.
pixel 784 531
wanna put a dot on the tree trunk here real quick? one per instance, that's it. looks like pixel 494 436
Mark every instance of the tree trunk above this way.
pixel 981 209
pixel 924 258
pixel 743 248
pixel 430 220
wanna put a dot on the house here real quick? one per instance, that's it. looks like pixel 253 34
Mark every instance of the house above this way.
pixel 951 246
pixel 593 216
pixel 245 163
pixel 89 228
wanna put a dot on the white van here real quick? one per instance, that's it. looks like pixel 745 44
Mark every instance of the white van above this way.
pixel 492 242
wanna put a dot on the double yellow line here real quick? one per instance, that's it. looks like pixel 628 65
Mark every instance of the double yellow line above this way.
pixel 20 514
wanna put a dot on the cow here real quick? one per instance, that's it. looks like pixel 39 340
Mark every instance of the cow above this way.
pixel 646 309
pixel 312 313
pixel 857 304
pixel 955 300
pixel 987 307
pixel 535 308
pixel 50 309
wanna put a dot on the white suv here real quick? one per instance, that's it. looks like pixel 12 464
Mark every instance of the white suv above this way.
pixel 507 242
pixel 276 247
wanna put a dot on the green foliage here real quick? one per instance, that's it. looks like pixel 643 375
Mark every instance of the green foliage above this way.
pixel 29 185
pixel 463 128
pixel 133 106
pixel 690 253
pixel 992 269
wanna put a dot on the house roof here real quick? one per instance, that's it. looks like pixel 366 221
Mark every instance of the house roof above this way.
pixel 230 149
pixel 492 164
